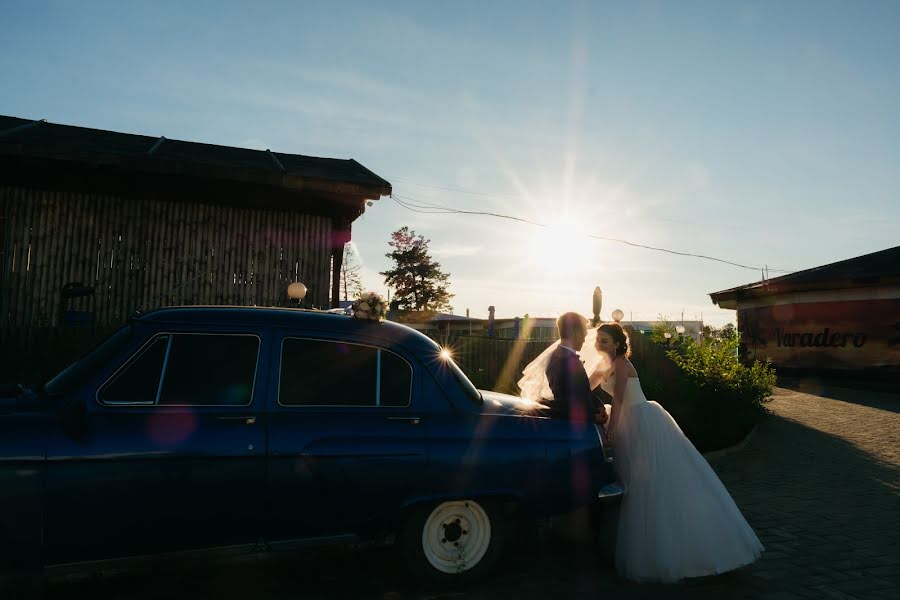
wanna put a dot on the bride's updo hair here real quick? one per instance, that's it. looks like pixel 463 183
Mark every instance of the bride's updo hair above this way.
pixel 619 337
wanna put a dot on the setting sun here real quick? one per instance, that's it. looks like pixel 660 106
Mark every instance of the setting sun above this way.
pixel 562 248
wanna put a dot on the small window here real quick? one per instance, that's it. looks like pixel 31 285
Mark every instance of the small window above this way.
pixel 138 382
pixel 210 370
pixel 396 380
pixel 324 373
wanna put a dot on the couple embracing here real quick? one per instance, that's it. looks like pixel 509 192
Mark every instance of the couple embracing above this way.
pixel 676 519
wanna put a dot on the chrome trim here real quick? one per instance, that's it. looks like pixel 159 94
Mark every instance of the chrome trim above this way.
pixel 63 569
pixel 378 378
pixel 412 374
pixel 130 361
pixel 301 543
pixel 171 334
pixel 162 374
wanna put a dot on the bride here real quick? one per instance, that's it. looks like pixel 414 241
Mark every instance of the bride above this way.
pixel 676 519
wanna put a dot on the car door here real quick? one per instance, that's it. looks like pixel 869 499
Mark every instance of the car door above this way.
pixel 22 439
pixel 171 455
pixel 346 441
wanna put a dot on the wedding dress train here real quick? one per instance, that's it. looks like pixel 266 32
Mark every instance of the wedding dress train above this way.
pixel 676 518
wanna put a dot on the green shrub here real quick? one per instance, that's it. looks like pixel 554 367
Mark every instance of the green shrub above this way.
pixel 714 397
pixel 713 366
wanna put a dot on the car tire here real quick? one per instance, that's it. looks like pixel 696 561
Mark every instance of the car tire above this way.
pixel 454 543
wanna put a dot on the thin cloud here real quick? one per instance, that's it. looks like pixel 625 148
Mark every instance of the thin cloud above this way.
pixel 451 251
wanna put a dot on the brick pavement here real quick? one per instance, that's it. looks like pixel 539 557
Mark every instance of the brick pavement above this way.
pixel 819 481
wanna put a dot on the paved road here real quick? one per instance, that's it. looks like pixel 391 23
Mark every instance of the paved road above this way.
pixel 819 481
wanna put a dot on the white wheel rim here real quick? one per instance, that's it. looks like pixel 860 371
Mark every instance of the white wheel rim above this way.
pixel 456 536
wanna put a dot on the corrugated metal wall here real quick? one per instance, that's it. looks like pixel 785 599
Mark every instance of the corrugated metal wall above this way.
pixel 146 254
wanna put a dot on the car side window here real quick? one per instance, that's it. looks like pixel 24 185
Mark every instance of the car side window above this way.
pixel 138 382
pixel 396 379
pixel 210 370
pixel 331 373
pixel 194 370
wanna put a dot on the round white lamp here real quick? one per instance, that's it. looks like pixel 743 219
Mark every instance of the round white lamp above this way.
pixel 296 291
pixel 679 329
pixel 617 315
pixel 667 335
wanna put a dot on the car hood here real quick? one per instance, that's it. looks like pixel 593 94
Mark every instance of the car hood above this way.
pixel 496 403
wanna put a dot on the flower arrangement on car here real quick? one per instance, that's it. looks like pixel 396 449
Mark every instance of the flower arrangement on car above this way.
pixel 369 305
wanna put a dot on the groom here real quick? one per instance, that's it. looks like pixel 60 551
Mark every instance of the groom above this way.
pixel 572 397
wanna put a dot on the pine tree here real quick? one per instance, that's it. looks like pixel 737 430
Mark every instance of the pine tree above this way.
pixel 417 279
pixel 351 281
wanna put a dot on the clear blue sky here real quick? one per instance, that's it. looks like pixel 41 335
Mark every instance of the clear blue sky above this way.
pixel 758 132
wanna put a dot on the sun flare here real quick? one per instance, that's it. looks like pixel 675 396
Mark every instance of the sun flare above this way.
pixel 561 248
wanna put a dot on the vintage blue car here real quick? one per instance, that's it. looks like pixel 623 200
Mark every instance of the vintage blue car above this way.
pixel 195 428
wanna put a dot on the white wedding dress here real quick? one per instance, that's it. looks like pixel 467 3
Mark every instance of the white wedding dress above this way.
pixel 676 519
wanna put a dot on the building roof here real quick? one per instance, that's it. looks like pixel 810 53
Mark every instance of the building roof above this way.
pixel 54 143
pixel 877 268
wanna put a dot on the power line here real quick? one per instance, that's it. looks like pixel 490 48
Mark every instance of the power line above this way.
pixel 459 190
pixel 418 206
pixel 447 210
pixel 521 197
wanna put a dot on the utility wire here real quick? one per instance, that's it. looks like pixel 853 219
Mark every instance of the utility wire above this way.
pixel 445 210
pixel 419 206
pixel 459 190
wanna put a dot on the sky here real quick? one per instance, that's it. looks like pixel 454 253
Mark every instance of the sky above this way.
pixel 760 133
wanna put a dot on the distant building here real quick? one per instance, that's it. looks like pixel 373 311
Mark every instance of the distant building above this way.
pixel 444 325
pixel 840 318
pixel 531 328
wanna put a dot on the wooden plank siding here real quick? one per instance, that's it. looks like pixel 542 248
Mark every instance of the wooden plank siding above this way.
pixel 142 254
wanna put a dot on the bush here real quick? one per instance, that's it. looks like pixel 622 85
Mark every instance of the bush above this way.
pixel 659 331
pixel 714 397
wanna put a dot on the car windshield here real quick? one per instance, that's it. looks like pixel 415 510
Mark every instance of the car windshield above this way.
pixel 78 371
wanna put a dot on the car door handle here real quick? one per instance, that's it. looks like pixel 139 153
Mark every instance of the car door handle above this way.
pixel 410 420
pixel 244 419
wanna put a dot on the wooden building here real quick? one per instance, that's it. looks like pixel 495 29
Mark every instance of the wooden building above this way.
pixel 842 318
pixel 95 225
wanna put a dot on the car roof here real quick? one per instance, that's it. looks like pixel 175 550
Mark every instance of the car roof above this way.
pixel 288 317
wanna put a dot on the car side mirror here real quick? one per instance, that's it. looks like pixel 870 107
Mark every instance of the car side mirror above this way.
pixel 72 413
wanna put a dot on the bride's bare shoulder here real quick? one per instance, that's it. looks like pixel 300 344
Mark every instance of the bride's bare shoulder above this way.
pixel 626 367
